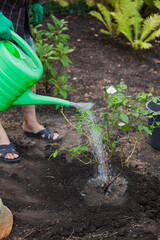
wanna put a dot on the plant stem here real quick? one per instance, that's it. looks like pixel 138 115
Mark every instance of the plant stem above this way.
pixel 112 181
pixel 74 125
pixel 134 147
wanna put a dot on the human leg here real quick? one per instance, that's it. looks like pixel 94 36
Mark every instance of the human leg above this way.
pixel 4 143
pixel 31 125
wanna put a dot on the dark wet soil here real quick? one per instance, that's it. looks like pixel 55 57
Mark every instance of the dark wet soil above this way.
pixel 45 195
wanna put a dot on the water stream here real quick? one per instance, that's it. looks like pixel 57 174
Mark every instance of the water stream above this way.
pixel 99 151
pixel 93 191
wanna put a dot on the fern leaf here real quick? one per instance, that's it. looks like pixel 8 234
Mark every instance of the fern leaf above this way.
pixel 105 31
pixel 139 4
pixel 106 14
pixel 131 18
pixel 157 3
pixel 153 35
pixel 124 25
pixel 131 9
pixel 114 31
pixel 139 44
pixel 98 16
pixel 119 6
pixel 136 21
pixel 113 3
pixel 146 45
pixel 150 24
pixel 128 7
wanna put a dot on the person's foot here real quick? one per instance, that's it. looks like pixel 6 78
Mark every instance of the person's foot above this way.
pixel 35 130
pixel 4 140
pixel 9 149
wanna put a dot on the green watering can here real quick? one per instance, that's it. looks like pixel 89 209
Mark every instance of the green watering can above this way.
pixel 19 72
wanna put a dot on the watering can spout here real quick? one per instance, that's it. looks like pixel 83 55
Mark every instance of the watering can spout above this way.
pixel 82 106
pixel 30 98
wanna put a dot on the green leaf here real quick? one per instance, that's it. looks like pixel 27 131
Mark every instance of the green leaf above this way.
pixel 88 112
pixel 114 144
pixel 53 72
pixel 79 129
pixel 84 148
pixel 65 61
pixel 106 14
pixel 98 16
pixel 105 32
pixel 115 115
pixel 126 127
pixel 147 130
pixel 150 24
pixel 154 99
pixel 63 93
pixel 140 128
pixel 97 129
pixel 55 92
pixel 135 114
pixel 54 82
pixel 63 78
pixel 67 88
pixel 124 117
pixel 157 4
pixel 55 154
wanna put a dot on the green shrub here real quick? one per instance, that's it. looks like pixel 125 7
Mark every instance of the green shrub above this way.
pixel 123 116
pixel 124 17
pixel 52 47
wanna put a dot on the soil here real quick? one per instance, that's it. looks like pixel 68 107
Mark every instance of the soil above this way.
pixel 46 195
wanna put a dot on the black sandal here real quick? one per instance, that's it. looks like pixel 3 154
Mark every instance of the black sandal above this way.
pixel 8 148
pixel 48 135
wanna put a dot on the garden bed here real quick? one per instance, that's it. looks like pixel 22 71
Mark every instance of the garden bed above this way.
pixel 45 195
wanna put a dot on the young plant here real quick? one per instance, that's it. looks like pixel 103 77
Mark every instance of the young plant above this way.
pixel 52 48
pixel 105 16
pixel 140 32
pixel 124 17
pixel 124 116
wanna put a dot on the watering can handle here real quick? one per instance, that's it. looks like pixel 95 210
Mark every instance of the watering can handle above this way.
pixel 24 45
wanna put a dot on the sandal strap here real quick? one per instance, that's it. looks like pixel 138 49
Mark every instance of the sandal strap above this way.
pixel 7 148
pixel 48 133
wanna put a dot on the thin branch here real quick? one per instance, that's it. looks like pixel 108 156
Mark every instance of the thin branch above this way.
pixel 35 230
